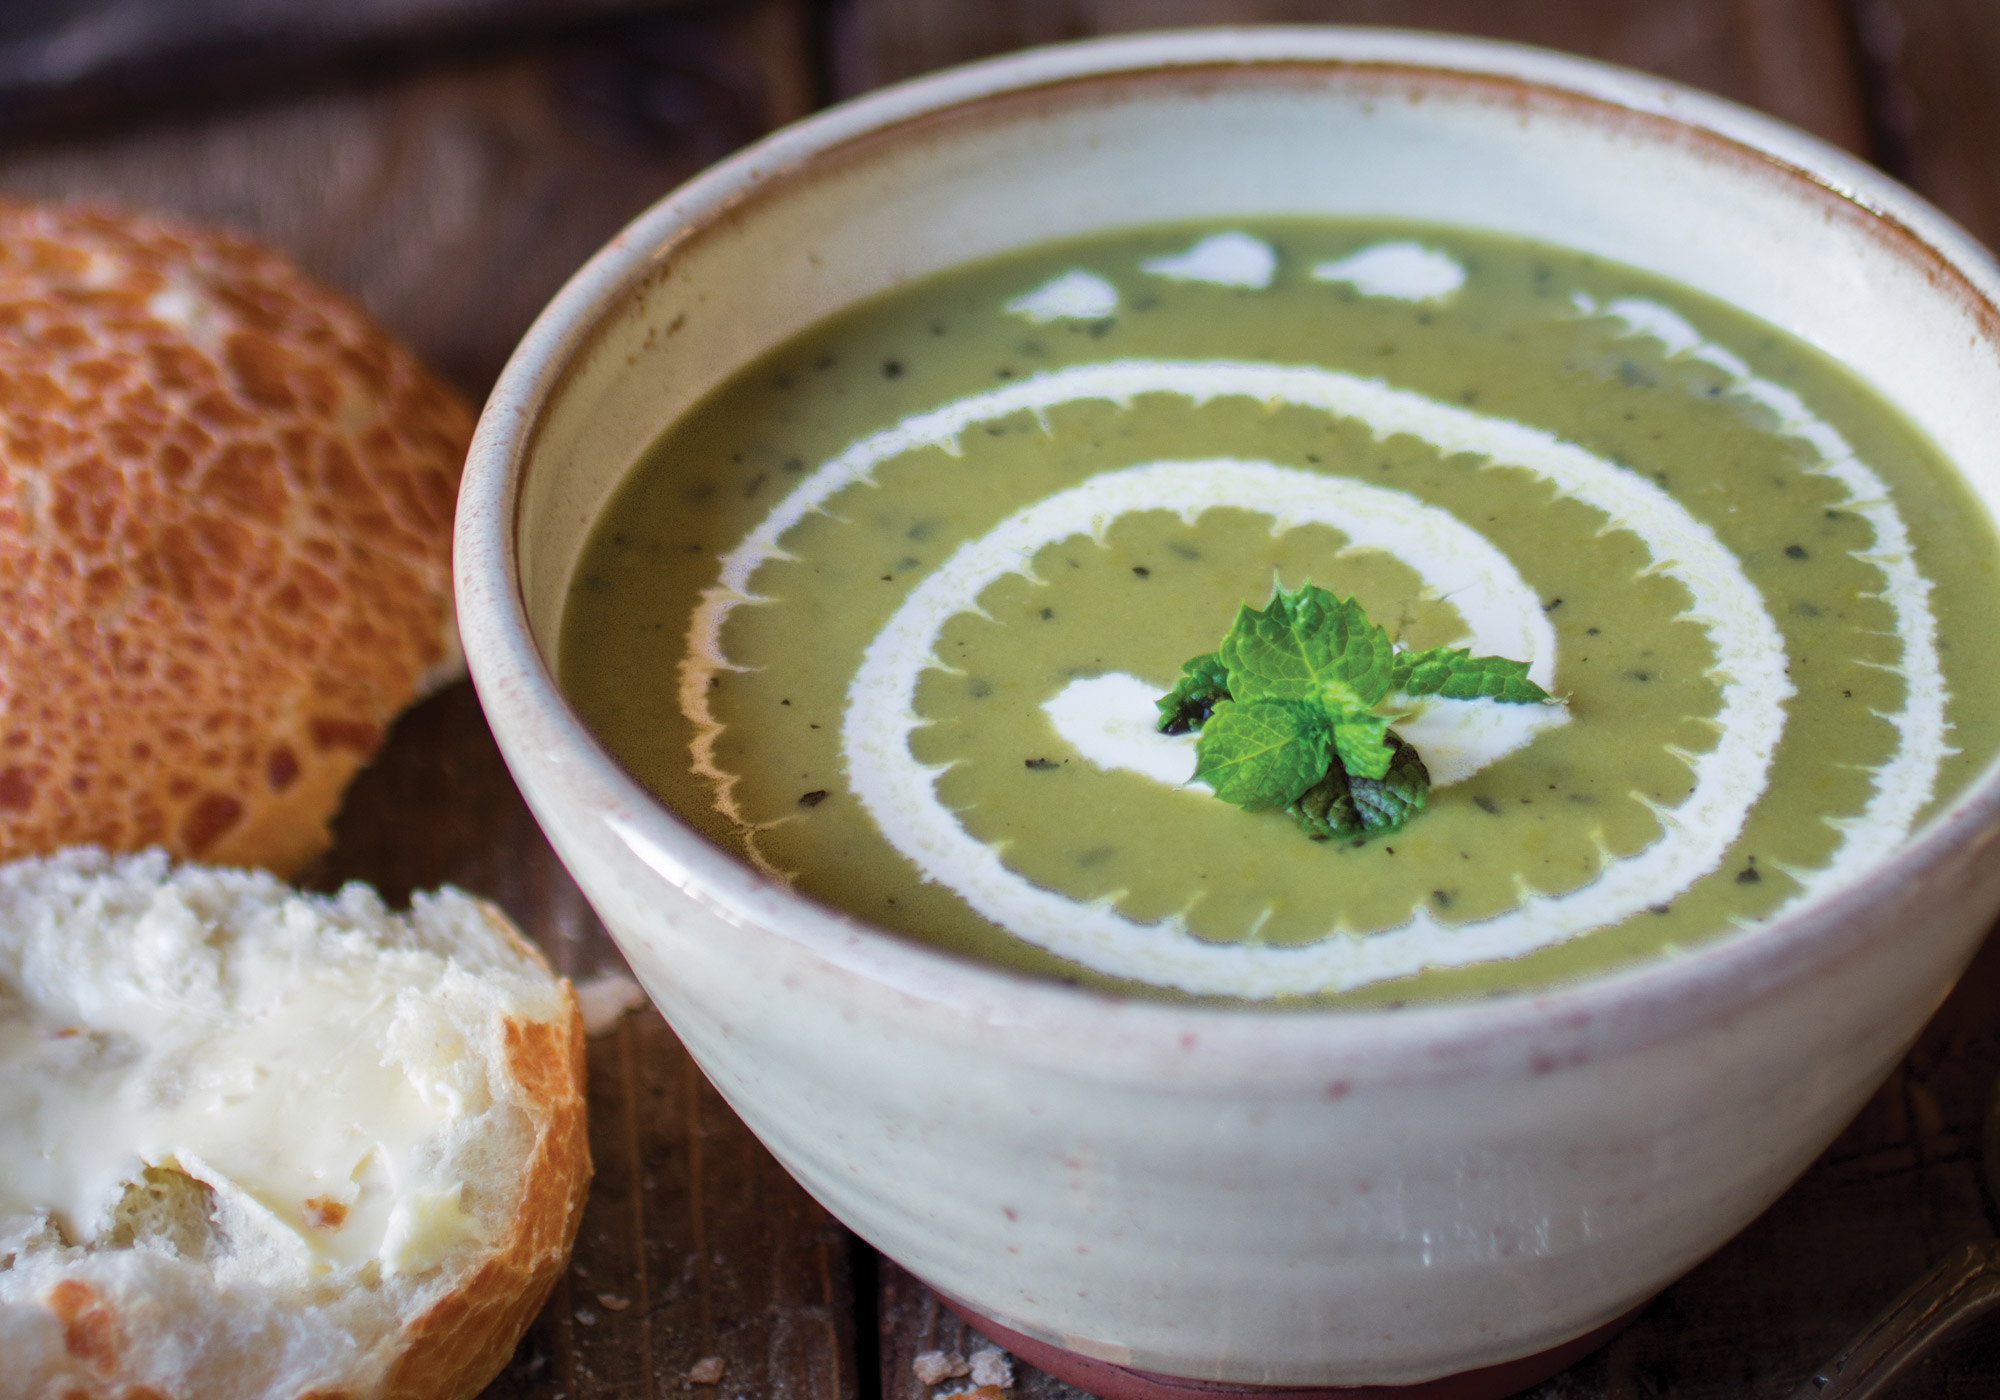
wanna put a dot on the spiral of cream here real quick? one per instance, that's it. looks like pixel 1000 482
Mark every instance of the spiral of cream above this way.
pixel 1501 612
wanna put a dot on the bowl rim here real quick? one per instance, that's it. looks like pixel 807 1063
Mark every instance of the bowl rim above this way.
pixel 1616 1010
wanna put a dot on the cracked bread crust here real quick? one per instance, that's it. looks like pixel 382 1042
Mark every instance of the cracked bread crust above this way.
pixel 225 521
pixel 464 1339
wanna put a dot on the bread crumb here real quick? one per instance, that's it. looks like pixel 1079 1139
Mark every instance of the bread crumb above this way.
pixel 605 1000
pixel 930 1367
pixel 991 1366
pixel 706 1371
pixel 586 1317
pixel 617 1302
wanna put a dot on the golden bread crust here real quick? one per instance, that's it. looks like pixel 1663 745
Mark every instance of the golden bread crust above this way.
pixel 464 1340
pixel 225 519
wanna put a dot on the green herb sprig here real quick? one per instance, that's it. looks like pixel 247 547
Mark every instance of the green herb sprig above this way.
pixel 1289 709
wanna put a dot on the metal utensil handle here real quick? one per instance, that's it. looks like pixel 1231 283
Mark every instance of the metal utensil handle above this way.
pixel 1964 1285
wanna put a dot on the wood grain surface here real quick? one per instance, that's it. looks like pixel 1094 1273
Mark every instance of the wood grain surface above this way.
pixel 454 200
pixel 1794 58
pixel 101 62
pixel 452 191
pixel 1934 70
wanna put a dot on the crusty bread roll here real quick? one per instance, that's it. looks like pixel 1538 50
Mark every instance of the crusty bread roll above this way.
pixel 225 524
pixel 267 1145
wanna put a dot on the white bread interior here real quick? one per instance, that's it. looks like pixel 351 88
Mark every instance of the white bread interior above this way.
pixel 151 1270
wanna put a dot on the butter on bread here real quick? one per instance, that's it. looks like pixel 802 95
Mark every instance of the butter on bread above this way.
pixel 266 1145
pixel 225 522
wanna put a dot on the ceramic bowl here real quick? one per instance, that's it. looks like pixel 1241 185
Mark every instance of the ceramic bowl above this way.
pixel 1306 1198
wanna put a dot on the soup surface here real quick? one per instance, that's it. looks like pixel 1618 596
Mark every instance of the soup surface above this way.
pixel 887 613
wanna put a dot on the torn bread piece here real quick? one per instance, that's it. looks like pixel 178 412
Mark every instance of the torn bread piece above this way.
pixel 263 1144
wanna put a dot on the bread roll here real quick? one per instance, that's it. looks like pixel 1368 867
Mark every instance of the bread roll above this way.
pixel 225 525
pixel 261 1145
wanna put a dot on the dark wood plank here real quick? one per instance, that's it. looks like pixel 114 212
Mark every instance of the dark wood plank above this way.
pixel 698 1257
pixel 1794 58
pixel 65 61
pixel 1936 65
pixel 454 202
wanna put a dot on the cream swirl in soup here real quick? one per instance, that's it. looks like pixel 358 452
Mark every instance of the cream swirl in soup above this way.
pixel 887 612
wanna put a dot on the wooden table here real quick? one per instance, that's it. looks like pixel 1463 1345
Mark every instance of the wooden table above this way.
pixel 450 169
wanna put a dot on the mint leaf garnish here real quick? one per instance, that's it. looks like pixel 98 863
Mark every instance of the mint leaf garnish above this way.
pixel 1340 807
pixel 1361 746
pixel 1262 753
pixel 1400 793
pixel 1326 811
pixel 1457 674
pixel 1204 681
pixel 1309 646
pixel 1287 709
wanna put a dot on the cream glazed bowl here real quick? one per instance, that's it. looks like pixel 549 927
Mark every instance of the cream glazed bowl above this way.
pixel 1276 1198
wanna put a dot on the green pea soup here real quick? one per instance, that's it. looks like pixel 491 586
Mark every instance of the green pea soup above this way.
pixel 886 612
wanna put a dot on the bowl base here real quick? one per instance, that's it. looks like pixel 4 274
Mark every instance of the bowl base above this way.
pixel 1109 1381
